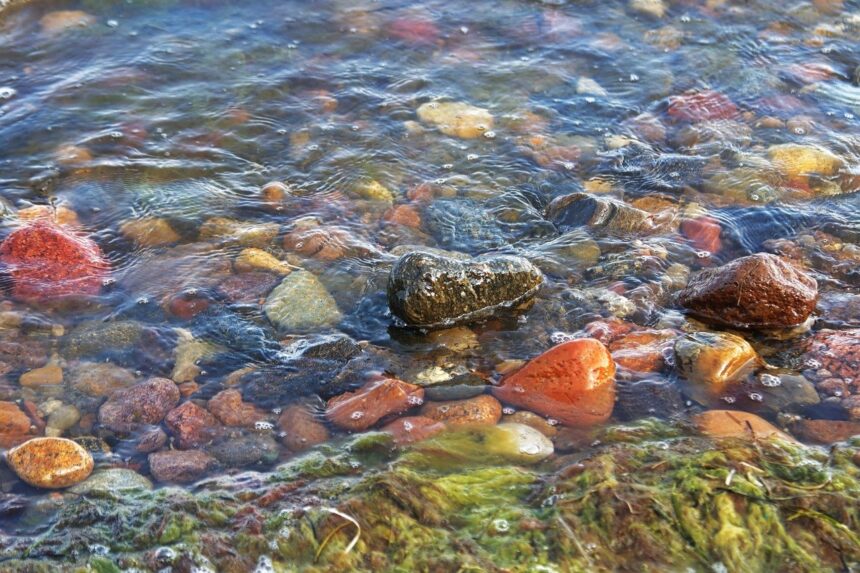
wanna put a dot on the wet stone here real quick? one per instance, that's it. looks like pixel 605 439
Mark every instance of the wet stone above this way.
pixel 711 362
pixel 113 481
pixel 50 463
pixel 573 383
pixel 144 403
pixel 301 303
pixel 480 410
pixel 647 398
pixel 411 429
pixel 99 379
pixel 301 428
pixel 758 291
pixel 431 291
pixel 359 410
pixel 245 450
pixel 180 466
pixel 581 209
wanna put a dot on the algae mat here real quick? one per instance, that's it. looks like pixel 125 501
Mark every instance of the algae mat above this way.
pixel 650 497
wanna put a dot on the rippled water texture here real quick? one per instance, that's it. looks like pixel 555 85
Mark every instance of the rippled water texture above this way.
pixel 214 150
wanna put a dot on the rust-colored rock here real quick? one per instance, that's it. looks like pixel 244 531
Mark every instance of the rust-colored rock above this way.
pixel 411 429
pixel 15 425
pixel 480 410
pixel 191 425
pixel 145 403
pixel 643 351
pixel 703 233
pixel 47 262
pixel 230 410
pixel 573 383
pixel 758 291
pixel 180 466
pixel 361 409
pixel 737 424
pixel 301 428
pixel 837 351
pixel 826 431
pixel 50 463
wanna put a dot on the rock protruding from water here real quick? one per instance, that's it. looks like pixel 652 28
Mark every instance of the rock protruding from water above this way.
pixel 758 291
pixel 573 383
pixel 432 291
pixel 50 463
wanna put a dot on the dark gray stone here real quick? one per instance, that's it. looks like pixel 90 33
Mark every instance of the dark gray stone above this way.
pixel 432 291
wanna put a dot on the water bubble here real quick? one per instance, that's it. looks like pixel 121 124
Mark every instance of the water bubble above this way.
pixel 552 422
pixel 357 415
pixel 112 23
pixel 501 525
pixel 414 400
pixel 559 337
pixel 472 157
pixel 165 554
pixel 263 426
pixel 7 93
pixel 277 411
pixel 490 134
pixel 464 29
pixel 799 131
pixel 407 426
pixel 703 254
pixel 770 380
pixel 812 363
pixel 507 410
pixel 444 409
pixel 519 389
pixel 729 399
pixel 634 78
pixel 98 549
pixel 756 397
pixel 116 135
pixel 448 166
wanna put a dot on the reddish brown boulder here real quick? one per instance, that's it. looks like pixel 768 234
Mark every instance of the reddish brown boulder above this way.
pixel 180 466
pixel 413 429
pixel 758 291
pixel 15 425
pixel 145 403
pixel 826 431
pixel 301 428
pixel 703 233
pixel 573 383
pixel 230 410
pixel 47 262
pixel 191 425
pixel 480 410
pixel 361 409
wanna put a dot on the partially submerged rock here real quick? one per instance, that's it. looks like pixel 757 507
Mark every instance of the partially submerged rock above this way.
pixel 432 291
pixel 50 463
pixel 758 291
pixel 573 383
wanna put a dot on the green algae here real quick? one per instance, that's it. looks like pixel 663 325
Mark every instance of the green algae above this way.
pixel 650 497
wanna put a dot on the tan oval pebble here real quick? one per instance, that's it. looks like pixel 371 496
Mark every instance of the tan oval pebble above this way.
pixel 50 463
pixel 737 424
pixel 480 410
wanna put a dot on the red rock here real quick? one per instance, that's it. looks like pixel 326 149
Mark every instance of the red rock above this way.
pixel 758 291
pixel 230 410
pixel 701 105
pixel 15 425
pixel 837 351
pixel 573 383
pixel 703 233
pixel 187 305
pixel 404 215
pixel 48 262
pixel 361 409
pixel 191 425
pixel 826 431
pixel 145 403
pixel 477 411
pixel 643 351
pixel 301 428
pixel 414 31
pixel 413 429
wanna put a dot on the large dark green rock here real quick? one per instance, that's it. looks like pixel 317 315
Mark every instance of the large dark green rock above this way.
pixel 431 291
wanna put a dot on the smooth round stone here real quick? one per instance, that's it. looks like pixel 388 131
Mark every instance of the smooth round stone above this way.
pixel 50 463
pixel 301 303
pixel 112 480
pixel 712 361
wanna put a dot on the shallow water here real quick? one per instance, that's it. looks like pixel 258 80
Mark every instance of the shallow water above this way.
pixel 184 111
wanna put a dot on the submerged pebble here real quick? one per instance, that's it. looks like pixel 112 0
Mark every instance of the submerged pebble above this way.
pixel 50 463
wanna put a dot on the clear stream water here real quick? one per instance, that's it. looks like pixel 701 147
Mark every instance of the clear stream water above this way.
pixel 184 110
